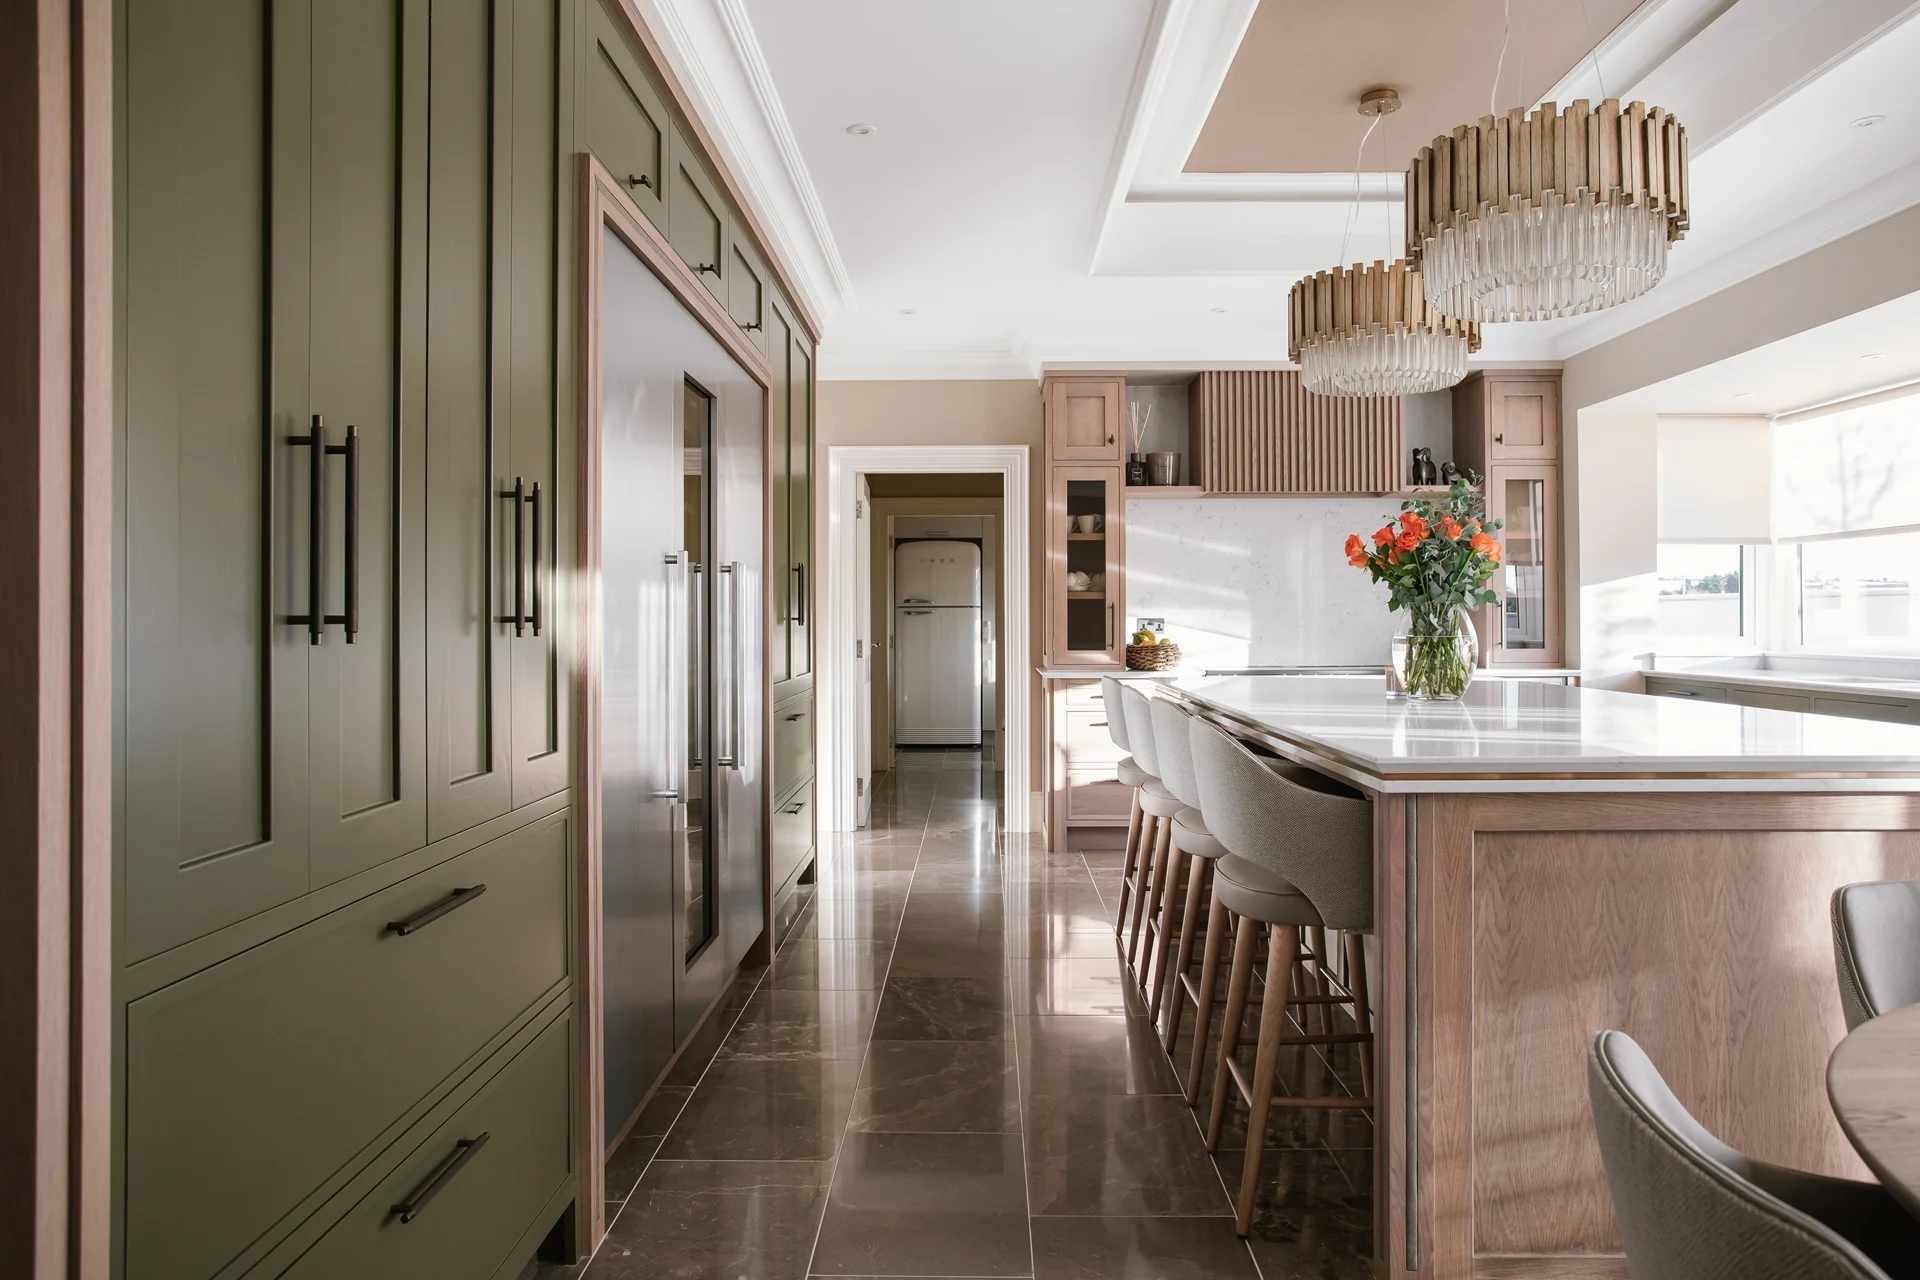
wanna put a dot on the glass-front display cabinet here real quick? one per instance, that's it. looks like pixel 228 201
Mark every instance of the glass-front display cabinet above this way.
pixel 1524 629
pixel 1085 567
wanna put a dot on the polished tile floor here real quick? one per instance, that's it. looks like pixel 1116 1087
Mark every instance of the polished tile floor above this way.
pixel 944 1074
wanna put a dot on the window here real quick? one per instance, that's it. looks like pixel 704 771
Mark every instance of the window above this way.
pixel 1702 590
pixel 1855 592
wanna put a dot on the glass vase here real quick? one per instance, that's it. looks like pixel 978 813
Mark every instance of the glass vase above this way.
pixel 1434 653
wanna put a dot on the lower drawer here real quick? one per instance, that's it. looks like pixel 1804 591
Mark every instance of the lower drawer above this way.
pixel 792 743
pixel 253 1083
pixel 792 835
pixel 466 1193
pixel 1094 795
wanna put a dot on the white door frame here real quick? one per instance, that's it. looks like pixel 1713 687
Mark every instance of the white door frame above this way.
pixel 839 698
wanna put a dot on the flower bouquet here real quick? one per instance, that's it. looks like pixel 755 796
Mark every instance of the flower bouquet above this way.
pixel 1436 560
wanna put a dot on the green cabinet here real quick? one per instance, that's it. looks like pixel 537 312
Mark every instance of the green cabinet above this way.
pixel 624 119
pixel 496 689
pixel 698 223
pixel 747 291
pixel 790 476
pixel 257 762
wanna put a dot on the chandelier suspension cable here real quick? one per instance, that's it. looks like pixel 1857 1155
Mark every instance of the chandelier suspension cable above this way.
pixel 1506 34
pixel 1353 214
pixel 1587 22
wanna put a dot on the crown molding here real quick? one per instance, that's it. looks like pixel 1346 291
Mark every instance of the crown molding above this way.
pixel 716 56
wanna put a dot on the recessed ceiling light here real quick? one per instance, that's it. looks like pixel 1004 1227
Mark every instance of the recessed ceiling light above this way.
pixel 1874 355
pixel 861 130
pixel 1219 311
pixel 906 311
pixel 1867 122
pixel 1743 395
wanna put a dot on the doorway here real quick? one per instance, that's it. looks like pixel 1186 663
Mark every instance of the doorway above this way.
pixel 846 697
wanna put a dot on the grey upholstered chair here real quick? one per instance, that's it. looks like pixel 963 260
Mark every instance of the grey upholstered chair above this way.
pixel 1158 805
pixel 1191 839
pixel 1876 947
pixel 1692 1208
pixel 1299 856
pixel 1131 776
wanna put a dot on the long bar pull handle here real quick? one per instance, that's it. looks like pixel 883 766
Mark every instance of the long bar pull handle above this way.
pixel 463 1150
pixel 351 618
pixel 315 618
pixel 518 496
pixel 724 755
pixel 737 700
pixel 800 595
pixel 1110 610
pixel 421 919
pixel 678 748
pixel 538 562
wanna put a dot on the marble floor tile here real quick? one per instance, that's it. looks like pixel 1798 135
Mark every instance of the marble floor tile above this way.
pixel 628 1161
pixel 956 877
pixel 1081 1054
pixel 802 1024
pixel 943 1009
pixel 923 1204
pixel 899 855
pixel 830 964
pixel 1080 984
pixel 1307 1218
pixel 699 1220
pixel 837 918
pixel 1140 1249
pixel 1118 1155
pixel 938 1086
pixel 761 1109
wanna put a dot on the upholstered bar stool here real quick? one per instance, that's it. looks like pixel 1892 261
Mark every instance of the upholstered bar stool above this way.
pixel 1131 776
pixel 1876 947
pixel 1158 805
pixel 1299 856
pixel 1191 852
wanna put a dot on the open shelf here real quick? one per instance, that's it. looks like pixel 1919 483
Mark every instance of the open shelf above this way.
pixel 1086 537
pixel 1086 595
pixel 1165 491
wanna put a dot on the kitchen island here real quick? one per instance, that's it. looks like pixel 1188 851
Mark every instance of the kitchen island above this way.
pixel 1551 861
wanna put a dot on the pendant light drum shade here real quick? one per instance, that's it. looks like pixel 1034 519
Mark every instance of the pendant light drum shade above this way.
pixel 1533 217
pixel 1368 331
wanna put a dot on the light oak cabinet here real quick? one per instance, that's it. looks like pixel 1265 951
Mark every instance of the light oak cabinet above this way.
pixel 1084 418
pixel 1262 432
pixel 1506 427
pixel 1085 535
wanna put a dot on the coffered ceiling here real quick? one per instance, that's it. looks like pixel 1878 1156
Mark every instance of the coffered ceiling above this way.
pixel 1306 62
pixel 1140 181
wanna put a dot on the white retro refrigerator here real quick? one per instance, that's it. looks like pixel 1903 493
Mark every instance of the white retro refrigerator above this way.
pixel 936 644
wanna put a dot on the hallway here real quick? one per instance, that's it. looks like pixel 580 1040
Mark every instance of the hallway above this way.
pixel 943 1074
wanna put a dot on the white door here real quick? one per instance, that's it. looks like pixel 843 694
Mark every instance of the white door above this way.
pixel 863 653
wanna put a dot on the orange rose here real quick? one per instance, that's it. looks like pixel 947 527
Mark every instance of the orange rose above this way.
pixel 1449 527
pixel 1355 547
pixel 1407 541
pixel 1413 524
pixel 1381 537
pixel 1486 546
pixel 1359 561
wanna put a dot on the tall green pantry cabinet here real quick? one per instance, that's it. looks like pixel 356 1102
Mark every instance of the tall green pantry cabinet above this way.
pixel 343 881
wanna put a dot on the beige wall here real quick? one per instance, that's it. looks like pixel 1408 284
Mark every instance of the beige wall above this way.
pixel 1611 458
pixel 943 413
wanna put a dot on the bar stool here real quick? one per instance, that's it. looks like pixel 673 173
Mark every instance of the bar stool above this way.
pixel 1191 840
pixel 1300 856
pixel 1131 776
pixel 1158 805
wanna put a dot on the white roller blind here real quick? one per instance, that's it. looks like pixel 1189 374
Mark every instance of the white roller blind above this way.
pixel 1854 468
pixel 1716 479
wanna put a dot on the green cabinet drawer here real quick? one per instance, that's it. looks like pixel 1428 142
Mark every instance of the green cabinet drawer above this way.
pixel 626 121
pixel 792 744
pixel 696 215
pixel 462 1197
pixel 252 1083
pixel 792 835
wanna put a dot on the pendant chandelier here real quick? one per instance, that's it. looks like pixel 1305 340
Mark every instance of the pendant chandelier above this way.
pixel 1368 331
pixel 1548 214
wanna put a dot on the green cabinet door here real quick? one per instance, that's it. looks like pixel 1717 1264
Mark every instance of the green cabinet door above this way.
pixel 697 221
pixel 495 684
pixel 780 411
pixel 800 506
pixel 268 282
pixel 747 291
pixel 624 120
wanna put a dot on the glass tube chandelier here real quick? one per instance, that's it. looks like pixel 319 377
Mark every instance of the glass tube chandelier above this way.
pixel 1534 216
pixel 1368 331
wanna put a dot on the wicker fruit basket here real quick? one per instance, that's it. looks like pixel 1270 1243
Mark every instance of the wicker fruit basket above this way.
pixel 1153 657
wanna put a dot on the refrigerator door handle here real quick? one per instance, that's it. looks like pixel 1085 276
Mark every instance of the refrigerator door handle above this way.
pixel 679 574
pixel 729 758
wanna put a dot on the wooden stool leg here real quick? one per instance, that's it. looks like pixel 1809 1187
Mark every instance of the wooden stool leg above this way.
pixel 1142 871
pixel 1132 862
pixel 1163 936
pixel 1150 901
pixel 1209 981
pixel 1243 947
pixel 1362 1007
pixel 1317 939
pixel 1283 943
pixel 1197 882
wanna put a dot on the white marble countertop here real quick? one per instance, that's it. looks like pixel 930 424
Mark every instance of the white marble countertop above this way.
pixel 1516 735
pixel 1837 683
pixel 1094 673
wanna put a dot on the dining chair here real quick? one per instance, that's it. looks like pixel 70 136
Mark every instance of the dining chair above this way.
pixel 1876 947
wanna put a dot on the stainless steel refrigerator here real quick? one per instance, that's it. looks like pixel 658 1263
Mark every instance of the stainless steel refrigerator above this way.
pixel 681 787
pixel 936 643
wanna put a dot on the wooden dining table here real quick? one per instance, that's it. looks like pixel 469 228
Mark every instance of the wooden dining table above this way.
pixel 1873 1080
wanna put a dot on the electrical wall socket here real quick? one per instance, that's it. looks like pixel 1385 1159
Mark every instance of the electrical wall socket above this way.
pixel 1150 624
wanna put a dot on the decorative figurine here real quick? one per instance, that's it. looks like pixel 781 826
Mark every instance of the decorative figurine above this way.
pixel 1424 472
pixel 1448 473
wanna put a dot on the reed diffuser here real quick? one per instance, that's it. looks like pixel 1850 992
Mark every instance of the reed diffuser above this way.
pixel 1137 433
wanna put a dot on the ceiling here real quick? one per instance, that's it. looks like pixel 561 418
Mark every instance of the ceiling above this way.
pixel 1288 104
pixel 1033 190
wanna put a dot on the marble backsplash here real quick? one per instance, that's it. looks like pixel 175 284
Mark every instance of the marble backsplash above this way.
pixel 1258 581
